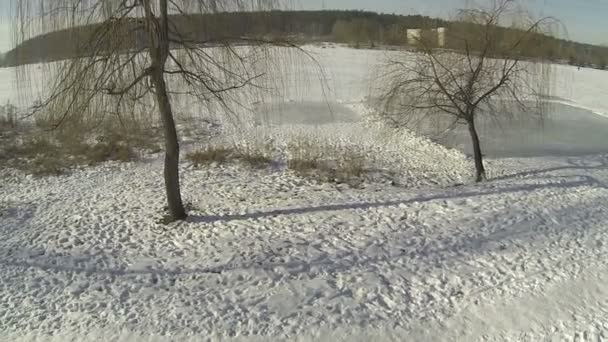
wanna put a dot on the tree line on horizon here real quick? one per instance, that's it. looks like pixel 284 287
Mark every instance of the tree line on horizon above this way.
pixel 357 28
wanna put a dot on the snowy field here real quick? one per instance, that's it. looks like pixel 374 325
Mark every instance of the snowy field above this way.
pixel 270 256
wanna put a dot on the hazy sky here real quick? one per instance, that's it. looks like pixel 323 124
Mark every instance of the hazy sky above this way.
pixel 5 41
pixel 585 20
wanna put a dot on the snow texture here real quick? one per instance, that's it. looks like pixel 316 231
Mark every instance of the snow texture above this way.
pixel 270 256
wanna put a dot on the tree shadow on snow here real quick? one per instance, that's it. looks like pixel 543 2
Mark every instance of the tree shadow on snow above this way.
pixel 445 253
pixel 601 163
pixel 493 190
pixel 465 244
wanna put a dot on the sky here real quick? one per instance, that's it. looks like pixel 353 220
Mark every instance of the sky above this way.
pixel 5 26
pixel 585 20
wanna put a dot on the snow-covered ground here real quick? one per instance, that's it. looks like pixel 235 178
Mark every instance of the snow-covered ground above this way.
pixel 270 256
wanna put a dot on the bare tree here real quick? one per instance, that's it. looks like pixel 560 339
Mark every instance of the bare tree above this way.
pixel 484 74
pixel 134 53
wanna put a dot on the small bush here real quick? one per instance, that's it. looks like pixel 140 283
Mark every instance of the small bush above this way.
pixel 256 152
pixel 102 152
pixel 37 146
pixel 302 165
pixel 325 162
pixel 110 149
pixel 602 63
pixel 256 160
pixel 304 153
pixel 45 155
pixel 46 166
pixel 8 115
pixel 134 138
pixel 351 165
pixel 38 156
pixel 7 122
pixel 253 157
pixel 210 155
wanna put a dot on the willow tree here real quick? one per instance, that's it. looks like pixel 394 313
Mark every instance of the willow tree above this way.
pixel 128 54
pixel 483 73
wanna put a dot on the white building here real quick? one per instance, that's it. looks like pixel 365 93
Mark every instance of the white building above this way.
pixel 441 36
pixel 437 35
pixel 414 36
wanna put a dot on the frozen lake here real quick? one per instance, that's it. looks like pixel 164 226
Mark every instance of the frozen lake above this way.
pixel 565 131
pixel 304 113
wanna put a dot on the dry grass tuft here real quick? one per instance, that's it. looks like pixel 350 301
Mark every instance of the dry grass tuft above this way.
pixel 251 155
pixel 8 116
pixel 52 154
pixel 210 155
pixel 325 162
pixel 256 154
pixel 256 160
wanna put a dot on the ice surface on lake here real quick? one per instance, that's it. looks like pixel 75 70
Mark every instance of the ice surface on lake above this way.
pixel 563 131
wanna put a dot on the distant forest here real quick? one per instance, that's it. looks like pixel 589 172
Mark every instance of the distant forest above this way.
pixel 358 28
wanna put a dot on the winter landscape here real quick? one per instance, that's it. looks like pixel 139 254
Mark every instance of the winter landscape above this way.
pixel 405 246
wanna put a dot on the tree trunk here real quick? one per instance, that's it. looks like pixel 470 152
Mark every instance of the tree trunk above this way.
pixel 158 31
pixel 172 188
pixel 480 171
